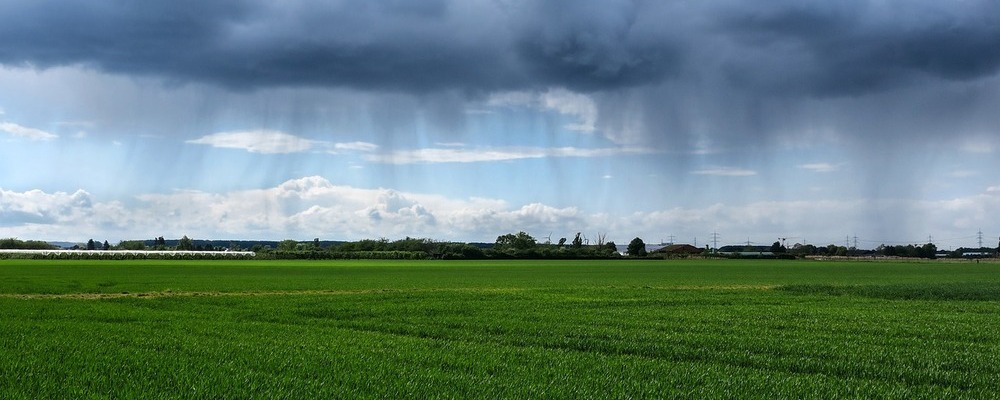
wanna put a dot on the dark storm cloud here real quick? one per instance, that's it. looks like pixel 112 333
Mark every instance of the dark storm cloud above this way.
pixel 851 47
pixel 593 45
pixel 396 45
pixel 773 48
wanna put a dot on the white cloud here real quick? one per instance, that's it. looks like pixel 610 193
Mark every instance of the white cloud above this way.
pixel 356 146
pixel 963 173
pixel 258 141
pixel 978 146
pixel 38 207
pixel 311 207
pixel 462 155
pixel 26 132
pixel 559 100
pixel 479 111
pixel 725 171
pixel 570 103
pixel 77 124
pixel 299 208
pixel 820 167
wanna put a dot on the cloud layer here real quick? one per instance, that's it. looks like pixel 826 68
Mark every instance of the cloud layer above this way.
pixel 820 48
pixel 721 73
pixel 612 106
pixel 314 207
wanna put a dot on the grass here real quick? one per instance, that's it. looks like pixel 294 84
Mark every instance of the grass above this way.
pixel 681 329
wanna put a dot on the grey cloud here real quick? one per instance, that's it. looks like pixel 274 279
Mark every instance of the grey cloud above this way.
pixel 853 47
pixel 472 46
pixel 816 48
pixel 674 75
pixel 595 44
pixel 17 218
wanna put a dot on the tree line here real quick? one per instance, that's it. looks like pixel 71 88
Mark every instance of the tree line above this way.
pixel 518 245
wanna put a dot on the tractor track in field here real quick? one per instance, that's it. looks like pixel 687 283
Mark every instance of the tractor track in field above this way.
pixel 171 293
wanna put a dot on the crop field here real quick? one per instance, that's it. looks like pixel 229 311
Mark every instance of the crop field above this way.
pixel 499 329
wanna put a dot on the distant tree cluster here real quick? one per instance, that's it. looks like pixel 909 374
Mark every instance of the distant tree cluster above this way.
pixel 507 246
pixel 17 244
pixel 408 248
pixel 523 245
pixel 928 250
pixel 974 252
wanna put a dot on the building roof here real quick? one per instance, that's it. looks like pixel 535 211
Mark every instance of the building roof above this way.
pixel 680 249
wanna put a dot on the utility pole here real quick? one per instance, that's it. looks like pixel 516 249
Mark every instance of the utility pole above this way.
pixel 715 241
pixel 671 239
pixel 979 235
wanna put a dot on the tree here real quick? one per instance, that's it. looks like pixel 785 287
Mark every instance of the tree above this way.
pixel 928 250
pixel 562 242
pixel 803 249
pixel 91 245
pixel 519 241
pixel 777 248
pixel 600 240
pixel 577 242
pixel 131 245
pixel 185 243
pixel 637 248
pixel 15 243
pixel 288 245
pixel 107 246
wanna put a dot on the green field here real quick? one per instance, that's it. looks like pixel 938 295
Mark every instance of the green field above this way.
pixel 498 329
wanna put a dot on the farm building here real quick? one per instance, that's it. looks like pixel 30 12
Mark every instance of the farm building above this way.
pixel 746 251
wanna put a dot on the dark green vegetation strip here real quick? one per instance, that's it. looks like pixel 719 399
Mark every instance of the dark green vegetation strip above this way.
pixel 972 291
pixel 498 329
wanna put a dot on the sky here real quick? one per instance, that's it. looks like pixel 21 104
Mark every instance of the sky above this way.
pixel 868 122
